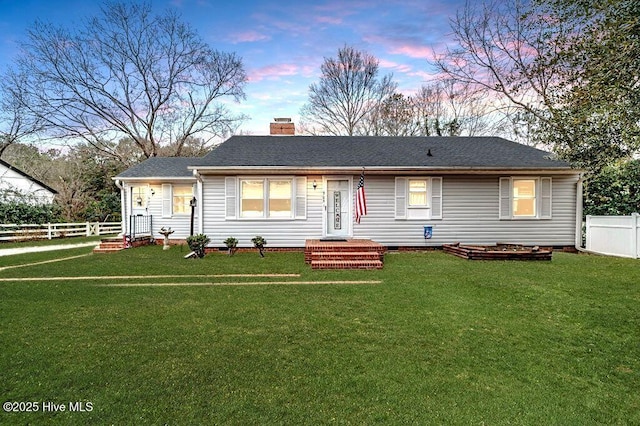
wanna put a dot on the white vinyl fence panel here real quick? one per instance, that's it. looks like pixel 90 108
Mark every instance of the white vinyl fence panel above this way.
pixel 614 235
pixel 13 232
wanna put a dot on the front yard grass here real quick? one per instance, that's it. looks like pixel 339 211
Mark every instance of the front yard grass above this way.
pixel 440 340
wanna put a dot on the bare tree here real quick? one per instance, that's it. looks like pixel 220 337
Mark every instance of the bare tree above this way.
pixel 441 108
pixel 449 108
pixel 565 71
pixel 128 73
pixel 394 116
pixel 15 122
pixel 508 50
pixel 349 89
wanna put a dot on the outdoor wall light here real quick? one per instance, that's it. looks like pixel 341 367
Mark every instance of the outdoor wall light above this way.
pixel 315 185
pixel 153 192
pixel 139 201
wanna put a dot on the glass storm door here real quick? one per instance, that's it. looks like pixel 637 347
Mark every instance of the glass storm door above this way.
pixel 338 208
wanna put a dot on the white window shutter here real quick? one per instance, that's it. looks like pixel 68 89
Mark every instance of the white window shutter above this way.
pixel 436 198
pixel 230 197
pixel 545 198
pixel 401 198
pixel 301 197
pixel 505 198
pixel 166 200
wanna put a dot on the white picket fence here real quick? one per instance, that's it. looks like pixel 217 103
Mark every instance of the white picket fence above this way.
pixel 13 232
pixel 614 235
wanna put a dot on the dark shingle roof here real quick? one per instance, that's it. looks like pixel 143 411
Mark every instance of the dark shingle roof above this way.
pixel 353 152
pixel 162 167
pixel 368 151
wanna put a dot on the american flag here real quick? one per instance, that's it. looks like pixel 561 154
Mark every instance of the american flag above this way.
pixel 361 200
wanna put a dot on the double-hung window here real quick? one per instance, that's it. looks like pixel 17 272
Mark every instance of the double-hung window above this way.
pixel 418 193
pixel 252 198
pixel 176 199
pixel 280 194
pixel 265 198
pixel 525 198
pixel 418 198
pixel 182 195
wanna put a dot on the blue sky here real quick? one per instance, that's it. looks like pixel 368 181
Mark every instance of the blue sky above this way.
pixel 282 43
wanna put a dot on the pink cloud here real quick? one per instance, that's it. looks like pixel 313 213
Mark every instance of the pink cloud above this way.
pixel 421 52
pixel 333 20
pixel 401 46
pixel 248 37
pixel 403 68
pixel 275 72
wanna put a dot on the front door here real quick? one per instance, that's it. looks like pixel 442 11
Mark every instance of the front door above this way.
pixel 338 208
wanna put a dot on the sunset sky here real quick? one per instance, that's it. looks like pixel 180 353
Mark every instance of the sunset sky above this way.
pixel 282 43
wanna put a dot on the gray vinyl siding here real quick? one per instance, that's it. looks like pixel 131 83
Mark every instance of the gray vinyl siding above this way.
pixel 180 224
pixel 277 232
pixel 470 214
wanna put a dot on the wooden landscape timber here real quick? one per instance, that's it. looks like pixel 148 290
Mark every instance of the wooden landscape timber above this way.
pixel 497 252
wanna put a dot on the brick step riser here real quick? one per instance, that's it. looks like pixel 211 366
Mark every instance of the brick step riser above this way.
pixel 344 250
pixel 309 253
pixel 331 264
pixel 111 245
pixel 345 256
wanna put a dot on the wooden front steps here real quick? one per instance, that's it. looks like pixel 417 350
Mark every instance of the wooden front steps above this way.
pixel 349 254
pixel 109 245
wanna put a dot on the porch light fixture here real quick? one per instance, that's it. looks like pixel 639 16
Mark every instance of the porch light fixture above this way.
pixel 315 185
pixel 139 201
pixel 153 192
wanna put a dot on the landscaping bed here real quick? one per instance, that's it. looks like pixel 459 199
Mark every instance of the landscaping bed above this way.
pixel 497 252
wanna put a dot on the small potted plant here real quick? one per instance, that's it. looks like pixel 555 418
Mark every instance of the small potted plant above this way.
pixel 198 243
pixel 232 244
pixel 259 243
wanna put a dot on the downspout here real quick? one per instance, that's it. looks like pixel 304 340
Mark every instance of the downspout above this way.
pixel 123 207
pixel 579 211
pixel 200 205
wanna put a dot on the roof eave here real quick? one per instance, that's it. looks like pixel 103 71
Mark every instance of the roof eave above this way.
pixel 31 178
pixel 153 178
pixel 379 170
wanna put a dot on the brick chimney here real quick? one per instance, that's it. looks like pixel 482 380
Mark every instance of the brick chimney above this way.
pixel 282 126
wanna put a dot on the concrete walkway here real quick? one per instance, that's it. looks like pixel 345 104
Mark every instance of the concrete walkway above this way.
pixel 33 249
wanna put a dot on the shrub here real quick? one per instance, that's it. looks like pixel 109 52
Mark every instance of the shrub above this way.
pixel 198 243
pixel 259 243
pixel 231 244
pixel 12 211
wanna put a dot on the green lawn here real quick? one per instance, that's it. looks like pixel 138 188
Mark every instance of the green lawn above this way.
pixel 431 339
